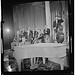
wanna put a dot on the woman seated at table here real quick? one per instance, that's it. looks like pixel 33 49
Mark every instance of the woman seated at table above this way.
pixel 46 34
pixel 30 36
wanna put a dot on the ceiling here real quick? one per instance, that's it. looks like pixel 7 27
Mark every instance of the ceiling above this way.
pixel 14 2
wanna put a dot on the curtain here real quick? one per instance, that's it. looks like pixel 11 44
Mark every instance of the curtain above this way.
pixel 29 15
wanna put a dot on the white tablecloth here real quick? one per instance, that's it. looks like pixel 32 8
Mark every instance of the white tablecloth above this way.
pixel 40 50
pixel 50 50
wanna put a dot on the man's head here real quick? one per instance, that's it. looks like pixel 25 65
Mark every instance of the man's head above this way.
pixel 29 28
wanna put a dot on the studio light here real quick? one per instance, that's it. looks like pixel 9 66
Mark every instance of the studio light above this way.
pixel 7 30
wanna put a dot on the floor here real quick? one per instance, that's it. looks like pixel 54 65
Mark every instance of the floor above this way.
pixel 48 66
pixel 26 66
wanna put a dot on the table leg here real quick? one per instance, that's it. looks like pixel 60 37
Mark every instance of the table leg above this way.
pixel 31 61
pixel 59 61
pixel 34 60
pixel 19 64
pixel 37 59
pixel 62 66
pixel 43 60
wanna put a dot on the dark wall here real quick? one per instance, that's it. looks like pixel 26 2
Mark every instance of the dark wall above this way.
pixel 8 23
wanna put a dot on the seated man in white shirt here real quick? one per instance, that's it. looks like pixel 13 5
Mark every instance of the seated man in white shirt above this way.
pixel 23 41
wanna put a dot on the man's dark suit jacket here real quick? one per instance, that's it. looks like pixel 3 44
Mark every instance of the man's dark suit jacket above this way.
pixel 25 34
pixel 35 34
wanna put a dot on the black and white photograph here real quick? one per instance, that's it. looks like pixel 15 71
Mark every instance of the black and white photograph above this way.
pixel 36 36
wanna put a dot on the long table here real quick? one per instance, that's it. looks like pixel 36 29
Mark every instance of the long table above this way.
pixel 53 51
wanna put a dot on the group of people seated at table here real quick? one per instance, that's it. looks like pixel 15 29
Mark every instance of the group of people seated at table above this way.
pixel 24 37
pixel 32 37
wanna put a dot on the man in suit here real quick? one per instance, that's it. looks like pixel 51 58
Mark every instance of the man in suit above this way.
pixel 24 34
pixel 36 32
pixel 36 35
pixel 40 36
